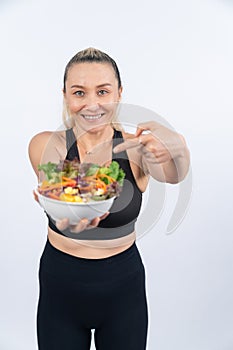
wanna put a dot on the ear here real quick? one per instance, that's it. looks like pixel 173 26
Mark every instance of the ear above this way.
pixel 120 93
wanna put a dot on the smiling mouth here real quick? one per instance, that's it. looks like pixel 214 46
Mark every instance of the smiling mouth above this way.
pixel 92 117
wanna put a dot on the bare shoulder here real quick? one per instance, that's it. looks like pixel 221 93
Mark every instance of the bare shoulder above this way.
pixel 46 146
pixel 39 139
pixel 45 136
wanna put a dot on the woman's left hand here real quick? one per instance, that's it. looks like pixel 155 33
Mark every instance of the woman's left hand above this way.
pixel 158 146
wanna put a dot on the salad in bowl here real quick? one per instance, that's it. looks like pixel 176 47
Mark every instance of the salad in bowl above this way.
pixel 76 190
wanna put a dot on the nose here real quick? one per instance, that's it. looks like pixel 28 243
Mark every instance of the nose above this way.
pixel 92 102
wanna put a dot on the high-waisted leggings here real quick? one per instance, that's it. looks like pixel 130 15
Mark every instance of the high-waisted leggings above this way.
pixel 78 294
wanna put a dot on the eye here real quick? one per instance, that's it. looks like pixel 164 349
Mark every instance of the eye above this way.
pixel 79 93
pixel 102 92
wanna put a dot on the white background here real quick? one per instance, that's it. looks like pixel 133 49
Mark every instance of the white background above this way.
pixel 175 58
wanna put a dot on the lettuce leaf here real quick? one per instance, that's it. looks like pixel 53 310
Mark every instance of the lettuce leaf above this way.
pixel 49 169
pixel 92 169
pixel 114 171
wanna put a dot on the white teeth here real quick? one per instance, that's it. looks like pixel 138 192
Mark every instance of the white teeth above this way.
pixel 91 117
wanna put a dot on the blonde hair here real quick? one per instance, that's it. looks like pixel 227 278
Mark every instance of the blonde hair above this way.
pixel 89 55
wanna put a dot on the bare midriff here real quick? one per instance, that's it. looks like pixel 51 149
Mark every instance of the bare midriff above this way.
pixel 90 249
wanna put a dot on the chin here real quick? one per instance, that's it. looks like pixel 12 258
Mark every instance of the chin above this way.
pixel 98 128
pixel 93 127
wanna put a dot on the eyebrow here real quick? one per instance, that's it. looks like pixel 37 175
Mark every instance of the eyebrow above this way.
pixel 98 86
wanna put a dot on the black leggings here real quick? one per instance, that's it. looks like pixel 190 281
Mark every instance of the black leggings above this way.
pixel 79 294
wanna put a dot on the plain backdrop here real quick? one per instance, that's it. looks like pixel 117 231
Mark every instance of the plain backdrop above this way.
pixel 175 58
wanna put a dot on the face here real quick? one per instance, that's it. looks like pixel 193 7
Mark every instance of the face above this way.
pixel 92 94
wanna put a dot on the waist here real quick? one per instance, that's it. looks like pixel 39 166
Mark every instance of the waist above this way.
pixel 103 270
pixel 92 249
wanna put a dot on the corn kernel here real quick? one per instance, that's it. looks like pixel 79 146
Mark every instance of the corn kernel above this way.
pixel 70 190
pixel 99 192
pixel 67 197
pixel 78 199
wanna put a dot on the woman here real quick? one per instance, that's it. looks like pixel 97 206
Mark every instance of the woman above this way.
pixel 91 274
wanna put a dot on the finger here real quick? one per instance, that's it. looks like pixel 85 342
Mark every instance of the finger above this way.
pixel 62 224
pixel 80 226
pixel 154 159
pixel 102 217
pixel 151 126
pixel 141 140
pixel 95 222
pixel 35 196
pixel 151 158
pixel 130 143
pixel 153 149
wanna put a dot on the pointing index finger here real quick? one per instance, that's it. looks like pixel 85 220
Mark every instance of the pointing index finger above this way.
pixel 130 143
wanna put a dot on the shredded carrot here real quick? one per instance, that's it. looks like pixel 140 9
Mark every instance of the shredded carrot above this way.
pixel 101 184
pixel 54 186
pixel 90 178
pixel 111 179
pixel 68 179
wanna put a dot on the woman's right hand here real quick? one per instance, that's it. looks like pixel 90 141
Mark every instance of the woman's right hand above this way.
pixel 84 224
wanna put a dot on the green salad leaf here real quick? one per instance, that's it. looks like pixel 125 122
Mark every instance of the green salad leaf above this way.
pixel 114 171
pixel 120 177
pixel 49 169
pixel 92 170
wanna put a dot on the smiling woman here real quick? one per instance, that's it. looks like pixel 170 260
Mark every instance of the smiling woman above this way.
pixel 101 253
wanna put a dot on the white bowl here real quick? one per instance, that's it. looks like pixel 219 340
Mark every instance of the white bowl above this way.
pixel 74 211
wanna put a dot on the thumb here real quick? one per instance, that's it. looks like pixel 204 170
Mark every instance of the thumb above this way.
pixel 35 195
pixel 147 127
pixel 138 132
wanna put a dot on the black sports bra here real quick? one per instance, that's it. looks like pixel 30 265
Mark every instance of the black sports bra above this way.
pixel 125 209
